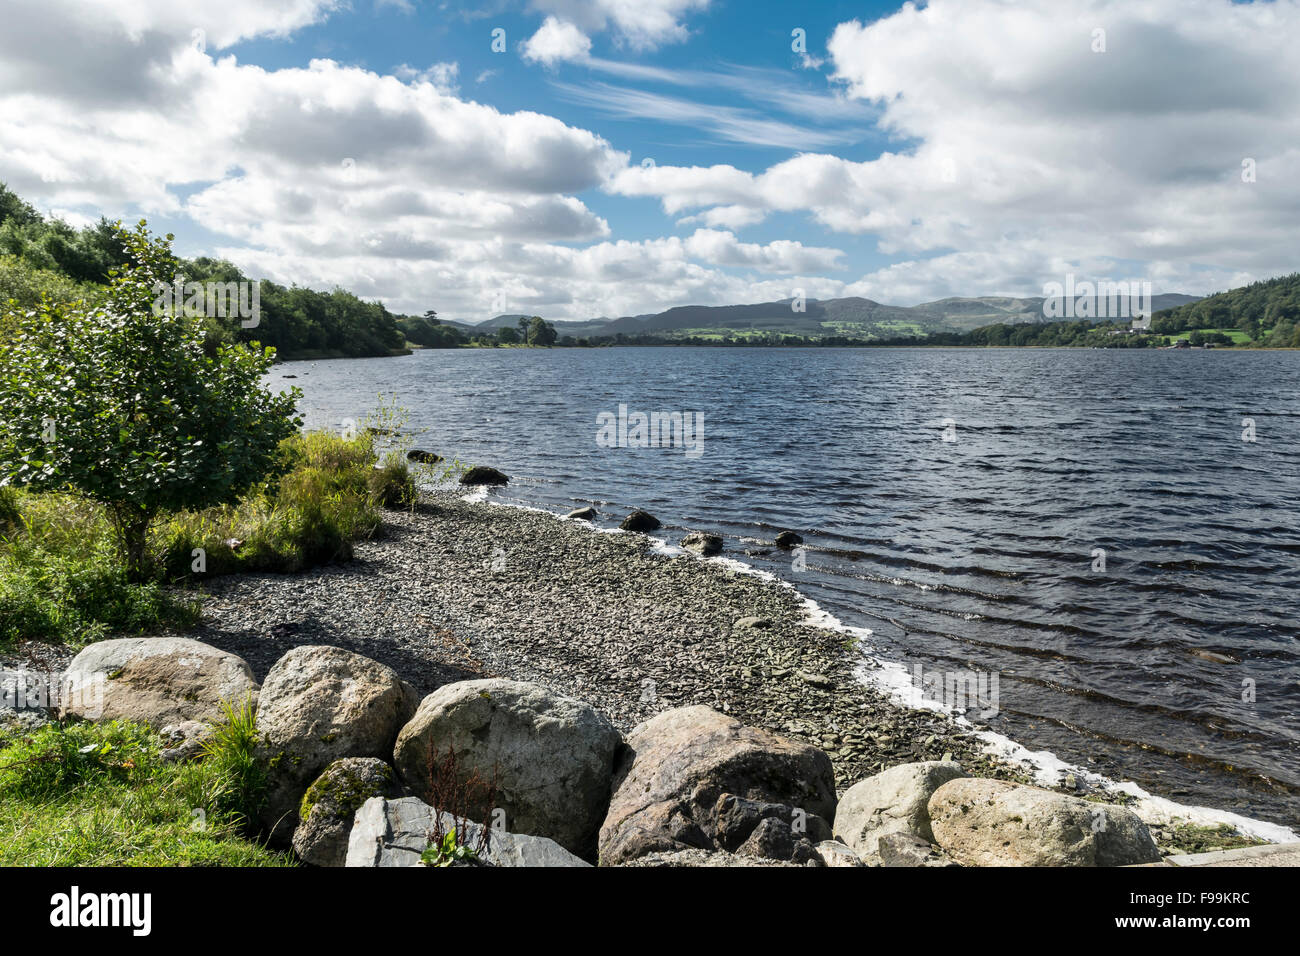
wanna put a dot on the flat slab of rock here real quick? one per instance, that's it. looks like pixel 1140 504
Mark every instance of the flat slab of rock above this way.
pixel 701 858
pixel 893 801
pixel 155 680
pixel 677 768
pixel 552 756
pixel 909 850
pixel 331 804
pixel 981 822
pixel 320 704
pixel 396 832
pixel 834 853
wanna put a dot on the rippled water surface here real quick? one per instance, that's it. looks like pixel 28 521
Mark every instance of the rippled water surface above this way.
pixel 973 554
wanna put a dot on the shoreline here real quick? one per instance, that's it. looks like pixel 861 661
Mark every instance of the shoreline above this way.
pixel 464 587
pixel 520 592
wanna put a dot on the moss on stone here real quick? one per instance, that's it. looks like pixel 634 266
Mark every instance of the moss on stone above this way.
pixel 345 789
pixel 1200 838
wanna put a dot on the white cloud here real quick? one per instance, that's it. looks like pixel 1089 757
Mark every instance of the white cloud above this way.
pixel 730 217
pixel 1017 139
pixel 641 24
pixel 555 41
pixel 392 186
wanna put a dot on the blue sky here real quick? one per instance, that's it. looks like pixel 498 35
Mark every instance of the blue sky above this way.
pixel 772 94
pixel 613 158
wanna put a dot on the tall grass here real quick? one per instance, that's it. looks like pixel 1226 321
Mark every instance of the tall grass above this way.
pixel 59 574
pixel 82 794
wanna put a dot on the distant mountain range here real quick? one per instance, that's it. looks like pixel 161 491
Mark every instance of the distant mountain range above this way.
pixel 851 317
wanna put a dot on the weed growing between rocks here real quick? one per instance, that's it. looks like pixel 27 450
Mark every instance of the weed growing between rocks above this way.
pixel 459 796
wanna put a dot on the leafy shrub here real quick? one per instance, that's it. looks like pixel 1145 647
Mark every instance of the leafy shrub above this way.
pixel 131 407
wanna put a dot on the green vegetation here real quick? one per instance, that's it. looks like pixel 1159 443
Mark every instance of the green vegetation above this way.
pixel 428 332
pixel 39 255
pixel 61 580
pixel 447 852
pixel 134 410
pixel 1200 838
pixel 139 450
pixel 1264 313
pixel 80 794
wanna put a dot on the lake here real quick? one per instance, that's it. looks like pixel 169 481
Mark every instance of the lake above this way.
pixel 1113 534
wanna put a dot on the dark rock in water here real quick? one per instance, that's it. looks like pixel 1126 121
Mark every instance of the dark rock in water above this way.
pixel 423 457
pixel 582 514
pixel 702 542
pixel 291 376
pixel 640 521
pixel 482 475
pixel 788 539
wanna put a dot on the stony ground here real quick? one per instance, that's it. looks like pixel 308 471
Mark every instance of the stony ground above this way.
pixel 458 590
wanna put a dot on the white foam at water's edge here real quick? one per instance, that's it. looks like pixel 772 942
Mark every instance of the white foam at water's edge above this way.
pixel 894 679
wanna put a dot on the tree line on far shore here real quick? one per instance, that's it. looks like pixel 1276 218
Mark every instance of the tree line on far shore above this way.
pixel 42 256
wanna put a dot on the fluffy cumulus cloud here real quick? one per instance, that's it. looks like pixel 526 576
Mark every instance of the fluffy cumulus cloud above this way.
pixel 556 40
pixel 392 186
pixel 1049 136
pixel 640 24
pixel 1022 152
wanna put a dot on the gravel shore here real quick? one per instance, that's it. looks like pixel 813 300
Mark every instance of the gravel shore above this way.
pixel 457 590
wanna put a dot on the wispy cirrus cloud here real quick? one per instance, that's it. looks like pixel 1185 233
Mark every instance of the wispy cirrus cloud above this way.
pixel 715 123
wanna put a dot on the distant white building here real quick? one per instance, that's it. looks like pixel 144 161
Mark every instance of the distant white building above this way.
pixel 1142 324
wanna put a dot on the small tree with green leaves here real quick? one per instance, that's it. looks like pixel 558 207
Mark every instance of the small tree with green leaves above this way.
pixel 126 404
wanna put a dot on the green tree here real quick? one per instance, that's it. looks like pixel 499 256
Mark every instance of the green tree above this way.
pixel 541 332
pixel 128 405
pixel 14 208
pixel 507 335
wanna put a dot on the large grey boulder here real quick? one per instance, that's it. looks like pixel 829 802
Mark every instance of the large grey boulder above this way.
pixel 396 832
pixel 982 822
pixel 893 801
pixel 319 704
pixel 679 767
pixel 331 803
pixel 551 757
pixel 155 680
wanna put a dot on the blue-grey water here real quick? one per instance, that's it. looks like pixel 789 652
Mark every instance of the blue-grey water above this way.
pixel 1177 666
